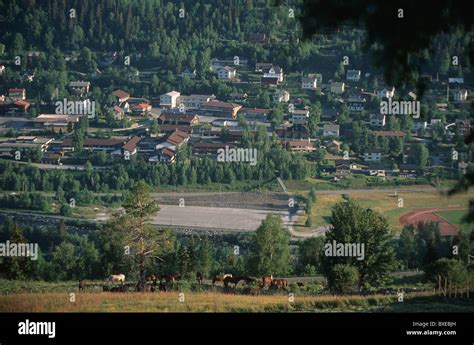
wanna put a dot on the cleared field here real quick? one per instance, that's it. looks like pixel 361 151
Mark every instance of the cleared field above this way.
pixel 199 302
pixel 212 217
pixel 386 203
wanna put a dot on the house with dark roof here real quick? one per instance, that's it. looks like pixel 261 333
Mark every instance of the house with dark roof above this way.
pixel 172 118
pixel 258 38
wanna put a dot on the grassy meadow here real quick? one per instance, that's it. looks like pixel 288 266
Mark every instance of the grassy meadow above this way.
pixel 218 302
pixel 387 204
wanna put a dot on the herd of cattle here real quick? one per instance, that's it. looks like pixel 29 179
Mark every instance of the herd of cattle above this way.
pixel 154 283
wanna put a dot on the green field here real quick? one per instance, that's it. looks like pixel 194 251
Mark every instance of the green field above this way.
pixel 387 204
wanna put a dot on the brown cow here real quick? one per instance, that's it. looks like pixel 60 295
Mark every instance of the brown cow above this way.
pixel 266 281
pixel 174 277
pixel 82 285
pixel 150 278
pixel 220 278
pixel 279 283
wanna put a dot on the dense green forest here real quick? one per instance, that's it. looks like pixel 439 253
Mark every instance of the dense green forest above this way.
pixel 155 34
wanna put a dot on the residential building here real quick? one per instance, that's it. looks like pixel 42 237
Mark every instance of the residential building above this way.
pixel 17 94
pixel 330 130
pixel 356 104
pixel 337 88
pixel 121 96
pixel 119 113
pixel 273 72
pixel 460 95
pixel 281 96
pixel 299 116
pixel 258 38
pixel 130 147
pixel 194 101
pixel 269 81
pixel 262 66
pixel 224 109
pixel 188 72
pixel 386 92
pixel 308 83
pixel 141 109
pixel 238 97
pixel 257 114
pixel 170 118
pixel 377 120
pixel 300 146
pixel 329 114
pixel 409 170
pixel 390 134
pixel 353 75
pixel 169 100
pixel 80 87
pixel 372 155
pixel 226 73
pixel 334 146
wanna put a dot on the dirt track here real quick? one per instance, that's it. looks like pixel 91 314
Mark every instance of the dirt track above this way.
pixel 427 214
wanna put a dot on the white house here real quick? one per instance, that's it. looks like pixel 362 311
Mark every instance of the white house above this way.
pixel 226 73
pixel 281 96
pixel 274 72
pixel 386 92
pixel 337 88
pixel 459 95
pixel 308 83
pixel 300 116
pixel 194 101
pixel 372 155
pixel 170 99
pixel 417 125
pixel 188 73
pixel 377 120
pixel 353 75
pixel 330 130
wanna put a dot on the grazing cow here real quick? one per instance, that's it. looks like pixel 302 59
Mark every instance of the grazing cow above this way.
pixel 117 278
pixel 144 287
pixel 266 281
pixel 199 277
pixel 162 286
pixel 150 278
pixel 82 285
pixel 174 277
pixel 279 283
pixel 232 280
pixel 220 278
